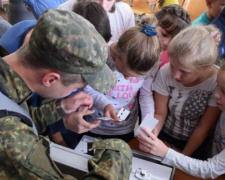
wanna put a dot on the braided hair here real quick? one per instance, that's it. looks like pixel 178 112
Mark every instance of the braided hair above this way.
pixel 173 18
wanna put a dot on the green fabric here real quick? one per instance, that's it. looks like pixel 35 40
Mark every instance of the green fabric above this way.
pixel 25 156
pixel 112 160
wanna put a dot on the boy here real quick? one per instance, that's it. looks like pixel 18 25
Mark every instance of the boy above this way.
pixel 215 7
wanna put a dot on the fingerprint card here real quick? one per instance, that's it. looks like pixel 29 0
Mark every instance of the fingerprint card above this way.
pixel 148 122
pixel 123 114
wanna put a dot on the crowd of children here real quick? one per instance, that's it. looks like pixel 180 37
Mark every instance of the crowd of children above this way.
pixel 166 67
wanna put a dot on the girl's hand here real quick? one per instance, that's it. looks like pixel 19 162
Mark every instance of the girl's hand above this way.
pixel 155 132
pixel 148 142
pixel 109 111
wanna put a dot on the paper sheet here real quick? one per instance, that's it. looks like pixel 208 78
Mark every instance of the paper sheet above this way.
pixel 148 122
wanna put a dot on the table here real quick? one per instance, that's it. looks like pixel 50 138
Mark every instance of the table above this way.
pixel 178 175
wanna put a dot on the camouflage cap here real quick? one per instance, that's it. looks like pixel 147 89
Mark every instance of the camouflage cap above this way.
pixel 69 43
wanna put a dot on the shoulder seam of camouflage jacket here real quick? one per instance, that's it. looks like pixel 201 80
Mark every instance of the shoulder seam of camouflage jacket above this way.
pixel 113 144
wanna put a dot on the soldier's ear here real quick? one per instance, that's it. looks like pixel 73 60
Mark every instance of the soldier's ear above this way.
pixel 50 79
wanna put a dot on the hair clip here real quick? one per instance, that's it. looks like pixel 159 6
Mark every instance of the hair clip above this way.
pixel 148 30
pixel 215 36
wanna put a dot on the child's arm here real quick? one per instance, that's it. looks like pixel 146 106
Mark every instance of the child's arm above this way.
pixel 146 98
pixel 161 110
pixel 146 94
pixel 212 168
pixel 161 96
pixel 201 131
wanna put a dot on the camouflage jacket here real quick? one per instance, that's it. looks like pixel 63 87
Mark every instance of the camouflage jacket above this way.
pixel 23 155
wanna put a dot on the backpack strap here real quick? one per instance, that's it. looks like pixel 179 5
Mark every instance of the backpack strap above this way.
pixel 9 108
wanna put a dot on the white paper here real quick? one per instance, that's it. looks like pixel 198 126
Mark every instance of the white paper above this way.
pixel 148 122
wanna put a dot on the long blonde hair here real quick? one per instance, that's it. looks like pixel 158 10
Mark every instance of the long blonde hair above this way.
pixel 196 46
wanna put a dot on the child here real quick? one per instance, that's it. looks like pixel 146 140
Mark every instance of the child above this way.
pixel 94 13
pixel 131 58
pixel 171 20
pixel 121 18
pixel 120 15
pixel 184 87
pixel 205 169
pixel 215 7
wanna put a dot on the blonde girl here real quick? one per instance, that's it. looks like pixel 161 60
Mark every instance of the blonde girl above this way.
pixel 183 89
pixel 211 168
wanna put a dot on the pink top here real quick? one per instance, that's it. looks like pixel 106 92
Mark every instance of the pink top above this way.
pixel 163 58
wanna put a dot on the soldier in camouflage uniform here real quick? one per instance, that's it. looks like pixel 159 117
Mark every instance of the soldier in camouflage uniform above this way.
pixel 64 53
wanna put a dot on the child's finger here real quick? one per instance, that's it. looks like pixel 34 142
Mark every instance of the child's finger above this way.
pixel 141 135
pixel 143 138
pixel 149 133
pixel 114 116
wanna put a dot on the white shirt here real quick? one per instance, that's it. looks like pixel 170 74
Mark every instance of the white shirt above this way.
pixel 186 105
pixel 120 21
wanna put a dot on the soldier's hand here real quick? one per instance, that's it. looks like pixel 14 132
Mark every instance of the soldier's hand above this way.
pixel 76 102
pixel 75 122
